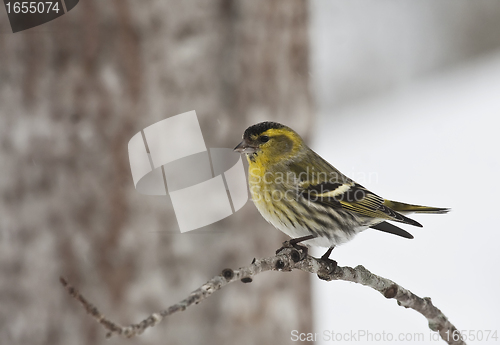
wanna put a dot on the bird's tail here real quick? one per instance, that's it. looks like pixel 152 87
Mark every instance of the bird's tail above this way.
pixel 407 208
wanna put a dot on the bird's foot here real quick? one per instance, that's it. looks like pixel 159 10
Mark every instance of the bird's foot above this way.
pixel 290 244
pixel 331 264
pixel 294 243
pixel 328 267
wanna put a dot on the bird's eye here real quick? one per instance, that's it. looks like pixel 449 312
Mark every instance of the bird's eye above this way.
pixel 264 139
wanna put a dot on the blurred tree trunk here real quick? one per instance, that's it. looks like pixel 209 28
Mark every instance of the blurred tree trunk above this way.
pixel 72 93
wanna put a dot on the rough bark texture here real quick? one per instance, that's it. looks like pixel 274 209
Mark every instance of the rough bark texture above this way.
pixel 72 93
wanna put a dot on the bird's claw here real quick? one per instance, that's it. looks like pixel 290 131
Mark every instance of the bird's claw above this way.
pixel 291 244
pixel 329 266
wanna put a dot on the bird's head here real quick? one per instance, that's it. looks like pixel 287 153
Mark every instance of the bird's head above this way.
pixel 270 142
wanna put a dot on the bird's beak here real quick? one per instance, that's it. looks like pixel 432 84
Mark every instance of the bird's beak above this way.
pixel 245 147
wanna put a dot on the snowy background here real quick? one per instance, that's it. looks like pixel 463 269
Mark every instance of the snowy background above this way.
pixel 401 95
pixel 408 109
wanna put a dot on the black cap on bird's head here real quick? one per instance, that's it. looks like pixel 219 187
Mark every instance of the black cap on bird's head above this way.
pixel 272 139
pixel 252 136
pixel 258 129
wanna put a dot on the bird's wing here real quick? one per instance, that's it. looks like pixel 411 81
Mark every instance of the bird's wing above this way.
pixel 318 181
pixel 351 196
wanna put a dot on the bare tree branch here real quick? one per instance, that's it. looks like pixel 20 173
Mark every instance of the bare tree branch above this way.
pixel 287 259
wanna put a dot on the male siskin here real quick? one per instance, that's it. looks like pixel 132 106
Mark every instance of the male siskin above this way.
pixel 305 197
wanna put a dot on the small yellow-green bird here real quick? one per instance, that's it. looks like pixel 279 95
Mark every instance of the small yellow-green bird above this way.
pixel 305 197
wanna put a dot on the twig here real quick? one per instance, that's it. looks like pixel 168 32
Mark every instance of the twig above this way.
pixel 287 259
